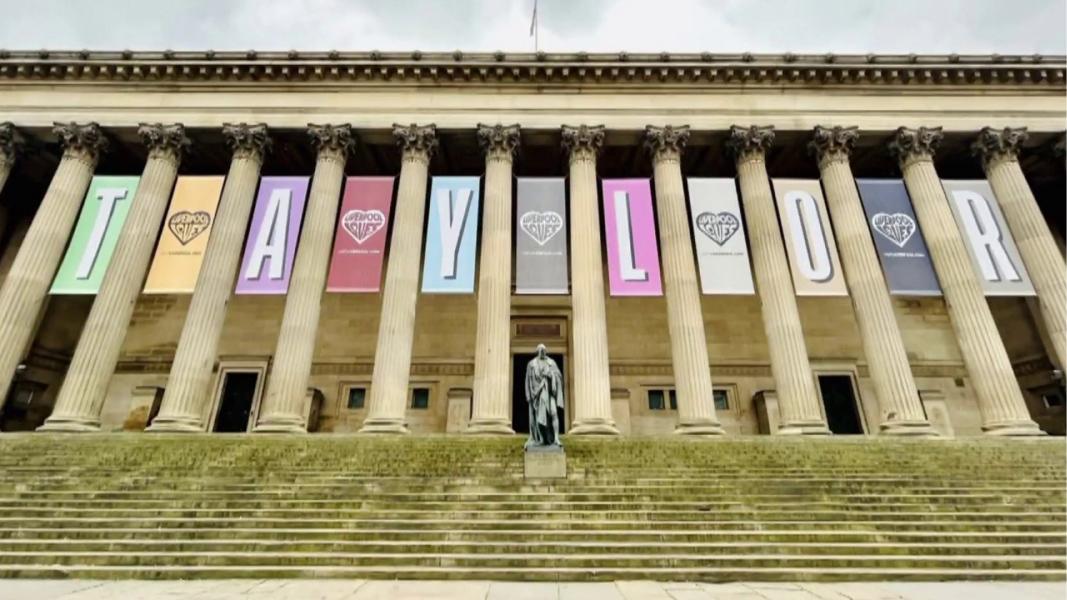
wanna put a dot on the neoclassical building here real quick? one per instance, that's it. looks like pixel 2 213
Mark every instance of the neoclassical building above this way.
pixel 804 327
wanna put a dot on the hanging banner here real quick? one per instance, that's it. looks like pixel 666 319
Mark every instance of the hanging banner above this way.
pixel 451 236
pixel 186 230
pixel 359 243
pixel 719 233
pixel 97 231
pixel 992 248
pixel 809 241
pixel 271 244
pixel 541 236
pixel 630 237
pixel 897 238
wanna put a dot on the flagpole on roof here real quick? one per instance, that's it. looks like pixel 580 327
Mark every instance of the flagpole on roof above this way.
pixel 534 28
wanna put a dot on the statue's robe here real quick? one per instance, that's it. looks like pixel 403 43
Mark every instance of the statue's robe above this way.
pixel 544 394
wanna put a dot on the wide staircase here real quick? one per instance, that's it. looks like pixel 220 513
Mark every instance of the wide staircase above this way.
pixel 159 506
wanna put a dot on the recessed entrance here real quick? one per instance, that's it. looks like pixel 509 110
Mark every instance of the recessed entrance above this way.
pixel 520 411
pixel 235 403
pixel 839 401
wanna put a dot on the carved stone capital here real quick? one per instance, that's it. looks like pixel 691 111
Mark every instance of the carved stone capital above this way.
pixel 499 140
pixel 416 140
pixel 750 142
pixel 10 142
pixel 582 141
pixel 833 143
pixel 164 140
pixel 999 144
pixel 334 140
pixel 87 140
pixel 913 144
pixel 666 142
pixel 247 140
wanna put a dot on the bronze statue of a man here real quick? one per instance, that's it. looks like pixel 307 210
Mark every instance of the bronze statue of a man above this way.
pixel 544 395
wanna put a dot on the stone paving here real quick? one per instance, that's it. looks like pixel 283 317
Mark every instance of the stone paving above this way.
pixel 332 589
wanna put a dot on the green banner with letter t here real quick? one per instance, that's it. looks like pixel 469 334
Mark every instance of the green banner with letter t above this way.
pixel 95 235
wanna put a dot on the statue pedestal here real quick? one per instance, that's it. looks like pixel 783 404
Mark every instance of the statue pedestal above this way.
pixel 545 462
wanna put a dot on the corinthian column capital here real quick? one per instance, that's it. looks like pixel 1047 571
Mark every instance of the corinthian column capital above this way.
pixel 87 140
pixel 583 141
pixel 335 140
pixel 915 144
pixel 416 140
pixel 666 142
pixel 750 142
pixel 999 144
pixel 499 141
pixel 247 140
pixel 833 143
pixel 164 140
pixel 10 142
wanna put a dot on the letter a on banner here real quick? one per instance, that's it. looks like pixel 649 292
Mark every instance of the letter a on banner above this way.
pixel 992 248
pixel 722 254
pixel 900 245
pixel 95 235
pixel 271 244
pixel 809 241
pixel 359 243
pixel 541 236
pixel 186 230
pixel 630 237
pixel 451 236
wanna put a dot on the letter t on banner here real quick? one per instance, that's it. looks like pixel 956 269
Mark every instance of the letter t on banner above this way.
pixel 451 236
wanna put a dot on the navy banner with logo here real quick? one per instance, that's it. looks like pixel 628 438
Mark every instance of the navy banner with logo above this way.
pixel 897 238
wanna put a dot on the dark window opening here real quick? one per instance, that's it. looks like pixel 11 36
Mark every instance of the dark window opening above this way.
pixel 839 400
pixel 356 397
pixel 420 398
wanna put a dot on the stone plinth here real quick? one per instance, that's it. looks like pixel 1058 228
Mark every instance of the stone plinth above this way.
pixel 548 462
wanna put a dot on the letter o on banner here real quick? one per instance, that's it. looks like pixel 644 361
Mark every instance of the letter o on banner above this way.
pixel 809 240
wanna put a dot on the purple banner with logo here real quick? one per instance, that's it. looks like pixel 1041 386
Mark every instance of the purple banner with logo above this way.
pixel 271 244
pixel 630 237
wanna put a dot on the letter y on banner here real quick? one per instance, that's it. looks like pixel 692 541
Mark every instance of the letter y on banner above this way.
pixel 451 236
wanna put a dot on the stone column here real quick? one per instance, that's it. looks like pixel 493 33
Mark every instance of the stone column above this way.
pixel 396 331
pixel 26 285
pixel 282 410
pixel 9 146
pixel 999 152
pixel 794 381
pixel 188 387
pixel 685 318
pixel 492 349
pixel 82 395
pixel 589 329
pixel 999 398
pixel 898 396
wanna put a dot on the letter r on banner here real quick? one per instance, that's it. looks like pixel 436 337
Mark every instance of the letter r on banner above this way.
pixel 985 237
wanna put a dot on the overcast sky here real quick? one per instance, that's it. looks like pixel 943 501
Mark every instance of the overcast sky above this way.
pixel 841 26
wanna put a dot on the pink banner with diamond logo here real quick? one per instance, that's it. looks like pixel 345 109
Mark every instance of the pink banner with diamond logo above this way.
pixel 359 243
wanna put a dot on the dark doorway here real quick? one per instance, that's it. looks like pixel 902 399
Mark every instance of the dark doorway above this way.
pixel 839 400
pixel 520 415
pixel 235 406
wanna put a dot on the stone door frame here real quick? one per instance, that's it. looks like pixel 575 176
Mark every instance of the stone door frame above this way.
pixel 244 365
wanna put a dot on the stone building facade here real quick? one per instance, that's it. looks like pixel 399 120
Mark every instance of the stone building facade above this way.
pixel 399 360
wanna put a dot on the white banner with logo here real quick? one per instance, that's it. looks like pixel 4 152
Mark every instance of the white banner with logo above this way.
pixel 719 233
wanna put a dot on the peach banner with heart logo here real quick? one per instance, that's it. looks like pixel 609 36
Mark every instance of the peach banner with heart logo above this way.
pixel 183 240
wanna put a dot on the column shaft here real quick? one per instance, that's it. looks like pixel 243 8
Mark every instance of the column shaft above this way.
pixel 188 387
pixel 392 357
pixel 283 405
pixel 26 285
pixel 492 351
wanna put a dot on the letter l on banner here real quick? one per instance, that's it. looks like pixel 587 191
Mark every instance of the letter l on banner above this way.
pixel 630 237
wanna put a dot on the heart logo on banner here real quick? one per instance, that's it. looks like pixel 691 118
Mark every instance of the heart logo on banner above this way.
pixel 187 225
pixel 541 226
pixel 362 224
pixel 897 227
pixel 720 227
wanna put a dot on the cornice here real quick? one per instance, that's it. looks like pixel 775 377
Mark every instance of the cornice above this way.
pixel 408 68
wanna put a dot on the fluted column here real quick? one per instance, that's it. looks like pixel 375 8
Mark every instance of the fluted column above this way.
pixel 282 410
pixel 589 328
pixel 794 382
pixel 396 331
pixel 9 146
pixel 26 285
pixel 887 360
pixel 492 349
pixel 685 318
pixel 999 398
pixel 189 384
pixel 82 395
pixel 999 152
